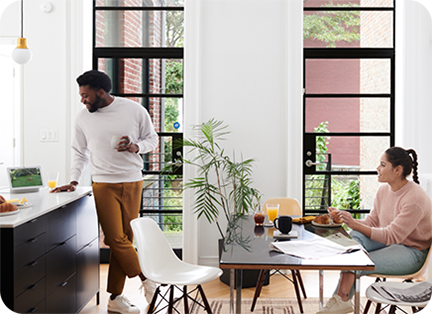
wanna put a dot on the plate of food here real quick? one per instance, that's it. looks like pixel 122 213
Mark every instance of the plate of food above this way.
pixel 23 203
pixel 324 221
pixel 13 212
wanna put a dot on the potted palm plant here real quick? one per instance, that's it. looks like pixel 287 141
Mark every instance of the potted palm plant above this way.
pixel 223 186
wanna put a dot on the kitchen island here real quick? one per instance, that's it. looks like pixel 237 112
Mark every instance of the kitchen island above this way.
pixel 49 252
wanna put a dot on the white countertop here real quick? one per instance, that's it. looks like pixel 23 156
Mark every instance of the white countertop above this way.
pixel 42 202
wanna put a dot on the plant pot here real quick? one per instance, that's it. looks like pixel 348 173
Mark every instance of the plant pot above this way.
pixel 249 278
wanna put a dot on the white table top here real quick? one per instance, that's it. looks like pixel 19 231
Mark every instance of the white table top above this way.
pixel 42 202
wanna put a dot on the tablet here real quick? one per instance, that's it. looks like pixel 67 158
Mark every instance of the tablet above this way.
pixel 25 179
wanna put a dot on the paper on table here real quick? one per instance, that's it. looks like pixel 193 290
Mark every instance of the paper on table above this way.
pixel 343 240
pixel 311 249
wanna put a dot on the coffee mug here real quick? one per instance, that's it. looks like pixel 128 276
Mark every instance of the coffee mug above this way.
pixel 283 224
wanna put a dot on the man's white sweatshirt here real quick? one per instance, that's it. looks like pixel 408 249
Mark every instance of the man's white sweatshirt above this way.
pixel 92 141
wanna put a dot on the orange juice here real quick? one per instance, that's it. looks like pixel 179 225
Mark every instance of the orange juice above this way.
pixel 272 213
pixel 52 184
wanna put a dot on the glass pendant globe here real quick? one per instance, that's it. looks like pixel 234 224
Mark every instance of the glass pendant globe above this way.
pixel 22 56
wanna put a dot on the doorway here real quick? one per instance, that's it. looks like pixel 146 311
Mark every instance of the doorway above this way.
pixel 348 99
pixel 9 109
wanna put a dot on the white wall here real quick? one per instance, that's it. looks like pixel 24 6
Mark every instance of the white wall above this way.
pixel 417 99
pixel 49 93
pixel 247 59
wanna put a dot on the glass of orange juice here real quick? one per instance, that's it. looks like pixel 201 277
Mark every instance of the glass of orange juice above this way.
pixel 52 179
pixel 272 211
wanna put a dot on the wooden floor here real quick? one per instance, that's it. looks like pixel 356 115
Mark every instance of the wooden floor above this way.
pixel 279 287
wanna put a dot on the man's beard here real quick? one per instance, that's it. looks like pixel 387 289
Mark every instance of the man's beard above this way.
pixel 95 105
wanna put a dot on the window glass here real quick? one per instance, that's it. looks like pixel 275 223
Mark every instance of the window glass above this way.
pixel 140 3
pixel 358 3
pixel 347 76
pixel 348 114
pixel 355 29
pixel 136 28
pixel 144 76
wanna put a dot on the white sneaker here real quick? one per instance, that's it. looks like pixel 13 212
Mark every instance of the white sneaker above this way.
pixel 122 305
pixel 336 306
pixel 149 288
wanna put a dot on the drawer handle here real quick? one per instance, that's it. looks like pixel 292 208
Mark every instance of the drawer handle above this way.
pixel 32 287
pixel 33 240
pixel 63 284
pixel 33 221
pixel 33 310
pixel 63 243
pixel 33 263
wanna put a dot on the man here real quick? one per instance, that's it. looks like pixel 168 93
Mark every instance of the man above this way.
pixel 111 133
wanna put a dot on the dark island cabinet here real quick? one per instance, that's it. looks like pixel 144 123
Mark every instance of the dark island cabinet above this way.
pixel 50 264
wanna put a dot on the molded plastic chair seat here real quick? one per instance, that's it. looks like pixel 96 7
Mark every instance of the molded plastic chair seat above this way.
pixel 159 263
pixel 372 295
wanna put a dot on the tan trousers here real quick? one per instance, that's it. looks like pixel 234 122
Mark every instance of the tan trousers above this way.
pixel 116 205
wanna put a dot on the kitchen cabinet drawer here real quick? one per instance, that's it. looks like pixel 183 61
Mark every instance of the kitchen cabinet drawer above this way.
pixel 63 299
pixel 60 263
pixel 87 221
pixel 29 251
pixel 61 225
pixel 87 272
pixel 39 308
pixel 29 275
pixel 31 297
pixel 29 230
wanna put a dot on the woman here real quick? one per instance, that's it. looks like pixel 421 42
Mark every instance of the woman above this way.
pixel 397 233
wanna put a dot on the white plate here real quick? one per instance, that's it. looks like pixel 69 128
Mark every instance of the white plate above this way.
pixel 332 225
pixel 10 213
pixel 23 205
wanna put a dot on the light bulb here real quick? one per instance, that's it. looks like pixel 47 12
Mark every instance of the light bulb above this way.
pixel 21 53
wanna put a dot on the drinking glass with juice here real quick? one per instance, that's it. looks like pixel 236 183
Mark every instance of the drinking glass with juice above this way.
pixel 272 212
pixel 52 179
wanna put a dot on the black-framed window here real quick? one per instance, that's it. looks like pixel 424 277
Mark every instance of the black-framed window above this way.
pixel 139 44
pixel 348 101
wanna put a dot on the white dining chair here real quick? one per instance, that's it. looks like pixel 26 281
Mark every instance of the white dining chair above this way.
pixel 374 296
pixel 418 275
pixel 159 263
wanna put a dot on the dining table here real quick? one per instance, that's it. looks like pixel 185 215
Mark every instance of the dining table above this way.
pixel 247 246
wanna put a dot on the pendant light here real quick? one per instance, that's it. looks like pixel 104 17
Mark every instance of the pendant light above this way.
pixel 21 53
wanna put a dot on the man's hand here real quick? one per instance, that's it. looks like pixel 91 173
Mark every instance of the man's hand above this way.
pixel 68 187
pixel 126 145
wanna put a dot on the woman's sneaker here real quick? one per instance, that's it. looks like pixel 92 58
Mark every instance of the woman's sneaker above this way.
pixel 336 305
pixel 122 305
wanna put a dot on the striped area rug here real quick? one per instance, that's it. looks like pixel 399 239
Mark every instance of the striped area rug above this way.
pixel 263 306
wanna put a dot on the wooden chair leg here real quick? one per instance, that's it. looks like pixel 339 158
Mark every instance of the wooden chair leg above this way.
pixel 258 288
pixel 151 308
pixel 378 308
pixel 171 299
pixel 207 305
pixel 185 300
pixel 297 291
pixel 300 280
pixel 367 306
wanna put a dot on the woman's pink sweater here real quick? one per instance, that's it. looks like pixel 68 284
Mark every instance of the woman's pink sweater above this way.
pixel 402 217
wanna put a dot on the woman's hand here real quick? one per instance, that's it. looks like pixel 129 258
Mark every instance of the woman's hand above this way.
pixel 341 215
pixel 347 219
